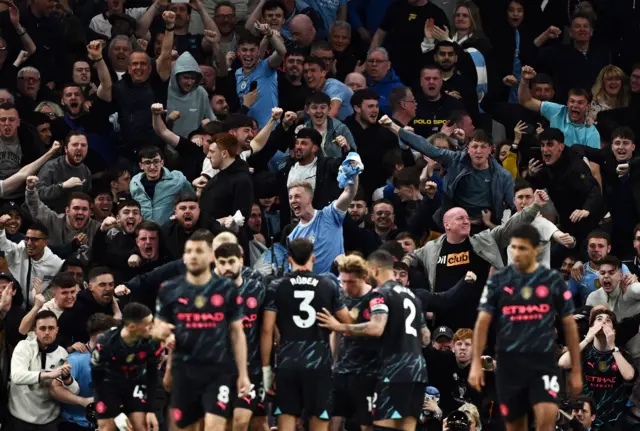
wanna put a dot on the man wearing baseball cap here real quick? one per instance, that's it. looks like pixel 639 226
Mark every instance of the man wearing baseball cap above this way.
pixel 442 338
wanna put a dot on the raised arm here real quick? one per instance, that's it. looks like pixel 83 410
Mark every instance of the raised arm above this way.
pixel 207 22
pixel 38 210
pixel 94 52
pixel 27 42
pixel 157 110
pixel 163 62
pixel 347 196
pixel 17 179
pixel 254 18
pixel 260 140
pixel 524 92
pixel 378 38
pixel 144 23
pixel 419 143
pixel 279 50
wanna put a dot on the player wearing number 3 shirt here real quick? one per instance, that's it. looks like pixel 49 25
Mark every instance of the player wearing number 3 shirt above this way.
pixel 124 368
pixel 525 299
pixel 303 376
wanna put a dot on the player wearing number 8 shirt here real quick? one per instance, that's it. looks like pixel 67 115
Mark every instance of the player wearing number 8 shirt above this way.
pixel 124 368
pixel 525 298
pixel 202 313
pixel 248 409
pixel 397 319
pixel 303 378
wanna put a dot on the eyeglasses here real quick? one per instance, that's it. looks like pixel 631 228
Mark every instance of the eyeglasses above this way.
pixel 32 239
pixel 154 162
pixel 375 61
pixel 29 79
pixel 410 101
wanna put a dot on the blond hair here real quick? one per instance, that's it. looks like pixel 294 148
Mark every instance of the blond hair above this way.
pixel 599 94
pixel 352 264
pixel 472 412
pixel 224 238
pixel 304 184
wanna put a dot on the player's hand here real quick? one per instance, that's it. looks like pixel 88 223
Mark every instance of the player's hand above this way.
pixel 566 240
pixel 161 330
pixel 152 422
pixel 72 182
pixel 244 386
pixel 157 109
pixel 476 376
pixel 327 320
pixel 94 50
pixel 134 261
pixel 267 378
pixel 32 182
pixel 169 18
pixel 276 113
pixel 577 271
pixel 385 121
pixel 4 219
pixel 610 335
pixel 470 277
pixel 55 147
pixel 39 301
pixel 540 198
pixel 593 331
pixel 534 167
pixel 122 290
pixel 575 383
pixel 79 347
pixel 108 223
pixel 578 215
pixel 510 81
pixel 528 73
pixel 213 37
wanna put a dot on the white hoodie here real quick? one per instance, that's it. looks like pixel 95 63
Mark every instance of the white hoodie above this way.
pixel 44 269
pixel 29 399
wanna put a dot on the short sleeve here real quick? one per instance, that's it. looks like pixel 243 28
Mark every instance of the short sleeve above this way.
pixel 563 299
pixel 333 91
pixel 163 305
pixel 378 304
pixel 234 310
pixel 338 297
pixel 550 110
pixel 270 297
pixel 490 297
pixel 337 216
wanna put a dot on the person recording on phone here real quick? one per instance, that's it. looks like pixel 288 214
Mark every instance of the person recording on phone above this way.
pixel 606 368
pixel 574 191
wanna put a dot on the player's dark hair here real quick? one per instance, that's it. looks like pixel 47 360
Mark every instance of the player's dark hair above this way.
pixel 581 92
pixel 542 78
pixel 381 259
pixel 587 399
pixel 100 322
pixel 227 250
pixel 134 312
pixel 186 196
pixel 149 153
pixel 225 3
pixel 521 185
pixel 80 196
pixel 552 134
pixel 407 176
pixel 481 136
pixel 610 260
pixel 599 311
pixel 310 133
pixel 394 248
pixel 64 280
pixel 365 94
pixel 623 132
pixel 128 203
pixel 202 235
pixel 312 59
pixel 300 250
pixel 247 38
pixel 407 235
pixel 527 232
pixel 148 225
pixel 599 234
pixel 445 44
pixel 318 98
pixel 40 228
pixel 71 134
pixel 273 4
pixel 46 314
pixel 98 271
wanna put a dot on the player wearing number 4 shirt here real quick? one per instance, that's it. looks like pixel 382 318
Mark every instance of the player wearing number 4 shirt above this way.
pixel 397 319
pixel 202 313
pixel 525 298
pixel 303 379
pixel 124 368
pixel 248 409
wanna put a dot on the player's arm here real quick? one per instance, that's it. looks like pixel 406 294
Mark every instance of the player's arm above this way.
pixel 63 394
pixel 476 374
pixel 347 196
pixel 161 330
pixel 154 355
pixel 266 346
pixel 571 338
pixel 372 328
pixel 239 346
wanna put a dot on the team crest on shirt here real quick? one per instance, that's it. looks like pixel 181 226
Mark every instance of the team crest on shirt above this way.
pixel 130 358
pixel 200 301
pixel 312 238
pixel 485 293
pixel 95 356
pixel 526 292
pixel 602 366
pixel 354 313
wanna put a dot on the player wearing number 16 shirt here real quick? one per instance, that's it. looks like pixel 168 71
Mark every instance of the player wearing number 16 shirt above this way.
pixel 303 378
pixel 525 299
pixel 202 312
pixel 397 319
pixel 124 366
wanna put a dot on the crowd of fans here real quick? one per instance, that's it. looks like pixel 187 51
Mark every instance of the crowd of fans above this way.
pixel 127 126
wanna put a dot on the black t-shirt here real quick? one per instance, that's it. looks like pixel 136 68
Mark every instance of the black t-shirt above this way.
pixel 297 298
pixel 359 355
pixel 525 307
pixel 291 97
pixel 453 263
pixel 401 352
pixel 191 158
pixel 191 43
pixel 202 316
pixel 432 115
pixel 251 298
pixel 404 25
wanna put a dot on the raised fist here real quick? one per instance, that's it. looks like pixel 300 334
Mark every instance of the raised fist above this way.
pixel 169 18
pixel 157 109
pixel 276 113
pixel 385 121
pixel 32 182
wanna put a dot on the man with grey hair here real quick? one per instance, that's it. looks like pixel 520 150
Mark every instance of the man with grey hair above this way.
pixel 119 50
pixel 355 81
pixel 6 97
pixel 403 105
pixel 380 76
pixel 30 92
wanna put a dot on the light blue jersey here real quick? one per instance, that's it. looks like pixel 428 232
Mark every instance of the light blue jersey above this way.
pixel 336 90
pixel 81 372
pixel 267 80
pixel 328 10
pixel 558 116
pixel 324 230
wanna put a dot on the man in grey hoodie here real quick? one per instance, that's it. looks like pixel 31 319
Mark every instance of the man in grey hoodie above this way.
pixel 187 96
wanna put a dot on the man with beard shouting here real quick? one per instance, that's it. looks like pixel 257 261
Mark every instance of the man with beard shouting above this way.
pixel 64 175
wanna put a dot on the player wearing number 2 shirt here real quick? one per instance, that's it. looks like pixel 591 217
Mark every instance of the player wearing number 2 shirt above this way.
pixel 124 368
pixel 303 378
pixel 525 299
pixel 397 319
pixel 208 327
